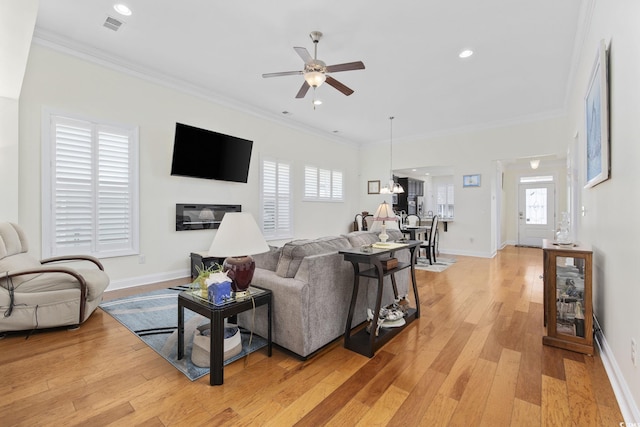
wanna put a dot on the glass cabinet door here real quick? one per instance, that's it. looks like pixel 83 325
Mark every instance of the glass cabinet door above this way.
pixel 570 296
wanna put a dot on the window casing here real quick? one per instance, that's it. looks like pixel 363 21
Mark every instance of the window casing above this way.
pixel 89 187
pixel 277 220
pixel 323 184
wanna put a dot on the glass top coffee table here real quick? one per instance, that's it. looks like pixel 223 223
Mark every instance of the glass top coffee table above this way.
pixel 198 303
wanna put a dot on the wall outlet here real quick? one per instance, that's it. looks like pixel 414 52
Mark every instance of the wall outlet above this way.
pixel 142 259
pixel 634 352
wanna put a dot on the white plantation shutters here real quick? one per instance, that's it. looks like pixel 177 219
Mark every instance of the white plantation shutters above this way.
pixel 90 190
pixel 322 184
pixel 276 199
pixel 444 200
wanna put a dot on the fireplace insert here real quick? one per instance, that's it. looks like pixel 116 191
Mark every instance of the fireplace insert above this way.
pixel 201 217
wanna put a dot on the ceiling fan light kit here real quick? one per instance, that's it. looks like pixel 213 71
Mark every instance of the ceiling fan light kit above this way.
pixel 316 72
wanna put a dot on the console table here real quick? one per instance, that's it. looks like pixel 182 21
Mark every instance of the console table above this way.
pixel 362 341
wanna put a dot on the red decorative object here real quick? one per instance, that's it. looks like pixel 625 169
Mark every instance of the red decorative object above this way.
pixel 240 271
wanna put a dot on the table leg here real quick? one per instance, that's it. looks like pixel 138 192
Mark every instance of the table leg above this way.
pixel 376 313
pixel 269 322
pixel 413 257
pixel 216 350
pixel 354 296
pixel 180 329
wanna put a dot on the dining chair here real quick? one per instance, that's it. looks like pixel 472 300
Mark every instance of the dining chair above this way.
pixel 367 222
pixel 430 244
pixel 358 223
pixel 413 220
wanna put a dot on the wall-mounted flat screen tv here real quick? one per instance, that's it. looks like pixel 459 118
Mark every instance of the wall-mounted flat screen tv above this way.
pixel 202 153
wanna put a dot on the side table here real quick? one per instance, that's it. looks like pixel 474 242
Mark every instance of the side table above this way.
pixel 367 343
pixel 216 314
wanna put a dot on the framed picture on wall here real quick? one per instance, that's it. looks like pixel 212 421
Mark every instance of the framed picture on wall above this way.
pixel 597 121
pixel 373 187
pixel 471 180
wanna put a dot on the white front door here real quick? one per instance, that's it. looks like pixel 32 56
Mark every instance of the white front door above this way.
pixel 536 213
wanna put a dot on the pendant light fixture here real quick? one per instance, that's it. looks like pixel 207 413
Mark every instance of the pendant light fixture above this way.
pixel 393 187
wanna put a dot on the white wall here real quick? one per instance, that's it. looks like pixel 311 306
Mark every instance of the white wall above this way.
pixel 473 232
pixel 610 223
pixel 9 159
pixel 17 20
pixel 69 83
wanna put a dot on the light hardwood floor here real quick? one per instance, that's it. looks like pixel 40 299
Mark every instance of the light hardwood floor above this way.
pixel 475 357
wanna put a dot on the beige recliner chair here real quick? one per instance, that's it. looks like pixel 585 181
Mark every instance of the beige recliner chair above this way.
pixel 38 294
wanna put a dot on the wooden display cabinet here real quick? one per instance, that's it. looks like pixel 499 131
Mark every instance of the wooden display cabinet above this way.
pixel 568 307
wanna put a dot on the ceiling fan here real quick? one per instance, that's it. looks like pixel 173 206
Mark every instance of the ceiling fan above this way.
pixel 316 71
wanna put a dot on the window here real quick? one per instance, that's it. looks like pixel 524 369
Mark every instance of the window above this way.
pixel 276 199
pixel 534 179
pixel 444 200
pixel 89 188
pixel 322 184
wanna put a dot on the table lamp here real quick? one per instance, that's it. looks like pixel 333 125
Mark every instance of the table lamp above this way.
pixel 237 239
pixel 384 213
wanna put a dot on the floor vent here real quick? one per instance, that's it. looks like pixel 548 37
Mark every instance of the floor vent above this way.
pixel 112 23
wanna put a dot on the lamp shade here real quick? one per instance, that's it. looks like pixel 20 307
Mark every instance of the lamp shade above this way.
pixel 238 235
pixel 384 213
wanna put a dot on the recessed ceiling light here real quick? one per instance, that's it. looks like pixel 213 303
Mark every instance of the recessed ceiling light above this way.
pixel 465 53
pixel 122 9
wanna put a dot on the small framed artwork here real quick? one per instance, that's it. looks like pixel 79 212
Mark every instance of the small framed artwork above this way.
pixel 471 180
pixel 597 121
pixel 373 187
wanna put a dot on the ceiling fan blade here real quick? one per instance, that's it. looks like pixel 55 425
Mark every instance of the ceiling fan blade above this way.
pixel 303 90
pixel 336 84
pixel 284 73
pixel 304 54
pixel 358 65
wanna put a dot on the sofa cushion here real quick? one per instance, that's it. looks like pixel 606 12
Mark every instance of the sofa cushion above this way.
pixel 268 260
pixel 293 252
pixel 361 238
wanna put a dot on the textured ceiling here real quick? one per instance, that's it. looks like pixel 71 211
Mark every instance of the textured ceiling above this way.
pixel 524 51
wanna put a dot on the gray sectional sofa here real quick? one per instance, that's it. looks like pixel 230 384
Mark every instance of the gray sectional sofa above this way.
pixel 312 287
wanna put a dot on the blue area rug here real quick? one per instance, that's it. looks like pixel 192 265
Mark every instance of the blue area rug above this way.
pixel 153 317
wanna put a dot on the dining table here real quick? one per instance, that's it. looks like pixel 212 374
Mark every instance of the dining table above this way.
pixel 414 231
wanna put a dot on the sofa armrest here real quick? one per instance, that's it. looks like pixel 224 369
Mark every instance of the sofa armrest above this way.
pixel 330 283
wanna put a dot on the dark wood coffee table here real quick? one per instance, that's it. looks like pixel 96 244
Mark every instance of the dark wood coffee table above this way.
pixel 216 314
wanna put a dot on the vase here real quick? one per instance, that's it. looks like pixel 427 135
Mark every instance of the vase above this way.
pixel 563 235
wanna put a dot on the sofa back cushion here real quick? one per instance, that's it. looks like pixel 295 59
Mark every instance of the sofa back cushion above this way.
pixel 293 252
pixel 12 240
pixel 361 238
pixel 268 260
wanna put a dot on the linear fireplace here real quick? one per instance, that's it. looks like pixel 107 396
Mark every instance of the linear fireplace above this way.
pixel 200 216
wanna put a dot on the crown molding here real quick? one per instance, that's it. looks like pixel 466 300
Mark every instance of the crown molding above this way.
pixel 95 56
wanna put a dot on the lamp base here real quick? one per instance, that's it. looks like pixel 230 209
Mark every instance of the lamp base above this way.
pixel 240 271
pixel 383 236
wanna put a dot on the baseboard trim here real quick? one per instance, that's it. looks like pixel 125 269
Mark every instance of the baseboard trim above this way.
pixel 147 279
pixel 627 405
